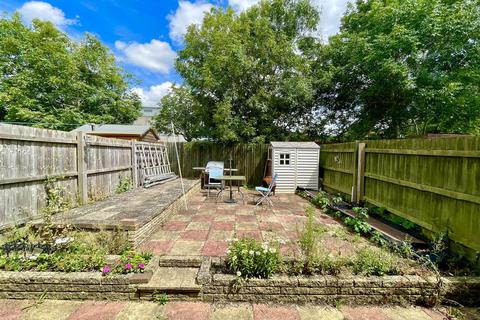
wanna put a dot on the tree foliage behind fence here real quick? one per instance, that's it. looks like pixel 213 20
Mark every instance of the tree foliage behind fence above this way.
pixel 248 159
pixel 432 182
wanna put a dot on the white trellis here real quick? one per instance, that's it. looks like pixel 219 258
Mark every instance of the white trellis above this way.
pixel 152 163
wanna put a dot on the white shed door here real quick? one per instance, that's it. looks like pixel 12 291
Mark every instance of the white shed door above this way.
pixel 307 168
pixel 284 161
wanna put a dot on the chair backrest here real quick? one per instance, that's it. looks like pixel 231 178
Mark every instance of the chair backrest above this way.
pixel 215 170
pixel 272 183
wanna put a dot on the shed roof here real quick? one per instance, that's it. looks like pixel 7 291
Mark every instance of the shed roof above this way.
pixel 295 144
pixel 127 129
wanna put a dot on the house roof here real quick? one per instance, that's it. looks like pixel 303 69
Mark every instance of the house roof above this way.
pixel 294 144
pixel 114 129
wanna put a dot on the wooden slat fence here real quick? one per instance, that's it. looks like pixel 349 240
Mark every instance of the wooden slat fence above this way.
pixel 432 182
pixel 86 167
pixel 249 159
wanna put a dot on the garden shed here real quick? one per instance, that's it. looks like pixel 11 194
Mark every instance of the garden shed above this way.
pixel 296 164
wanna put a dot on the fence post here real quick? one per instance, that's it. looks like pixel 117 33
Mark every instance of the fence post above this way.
pixel 134 165
pixel 361 172
pixel 82 168
pixel 354 173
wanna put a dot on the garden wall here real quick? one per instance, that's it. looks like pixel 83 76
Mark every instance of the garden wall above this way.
pixel 431 182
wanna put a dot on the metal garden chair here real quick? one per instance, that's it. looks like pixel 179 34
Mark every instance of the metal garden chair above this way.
pixel 214 169
pixel 266 193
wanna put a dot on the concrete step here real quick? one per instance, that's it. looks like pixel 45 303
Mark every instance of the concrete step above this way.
pixel 172 281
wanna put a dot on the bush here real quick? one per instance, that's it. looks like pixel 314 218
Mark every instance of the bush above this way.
pixel 372 261
pixel 359 224
pixel 132 262
pixel 250 259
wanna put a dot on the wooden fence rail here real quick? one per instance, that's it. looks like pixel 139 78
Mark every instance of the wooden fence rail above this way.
pixel 432 182
pixel 86 167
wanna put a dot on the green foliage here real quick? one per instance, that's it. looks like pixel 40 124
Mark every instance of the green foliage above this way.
pixel 403 67
pixel 47 77
pixel 250 259
pixel 359 224
pixel 377 238
pixel 372 261
pixel 160 297
pixel 330 263
pixel 245 77
pixel 125 184
pixel 309 239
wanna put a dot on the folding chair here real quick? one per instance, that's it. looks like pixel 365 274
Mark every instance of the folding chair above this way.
pixel 265 193
pixel 215 170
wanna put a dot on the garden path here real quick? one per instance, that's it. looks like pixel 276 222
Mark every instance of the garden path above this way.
pixel 101 310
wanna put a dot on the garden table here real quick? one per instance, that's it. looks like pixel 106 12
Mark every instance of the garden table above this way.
pixel 231 179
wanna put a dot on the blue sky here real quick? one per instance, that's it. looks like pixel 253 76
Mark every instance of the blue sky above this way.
pixel 145 35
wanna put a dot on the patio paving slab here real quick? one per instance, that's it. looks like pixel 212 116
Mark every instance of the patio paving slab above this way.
pixel 141 311
pixel 233 312
pixel 319 313
pixel 97 310
pixel 174 278
pixel 52 310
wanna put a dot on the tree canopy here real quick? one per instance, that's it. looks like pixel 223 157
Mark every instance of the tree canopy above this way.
pixel 396 68
pixel 51 80
pixel 244 75
pixel 404 67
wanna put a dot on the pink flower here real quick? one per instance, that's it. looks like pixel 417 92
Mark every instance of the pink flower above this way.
pixel 128 266
pixel 141 266
pixel 105 269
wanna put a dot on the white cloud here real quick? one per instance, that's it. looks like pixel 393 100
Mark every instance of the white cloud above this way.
pixel 241 5
pixel 331 12
pixel 44 11
pixel 151 96
pixel 156 55
pixel 186 14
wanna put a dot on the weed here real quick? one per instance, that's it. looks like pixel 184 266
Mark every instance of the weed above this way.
pixel 378 238
pixel 160 297
pixel 359 223
pixel 125 184
pixel 339 304
pixel 372 261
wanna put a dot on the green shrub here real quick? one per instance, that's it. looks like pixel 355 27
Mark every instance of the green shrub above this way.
pixel 248 258
pixel 371 261
pixel 132 262
pixel 359 224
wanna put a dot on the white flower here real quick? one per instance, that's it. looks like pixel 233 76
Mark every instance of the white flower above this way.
pixel 239 273
pixel 234 258
pixel 33 257
pixel 63 240
pixel 228 251
pixel 251 252
pixel 282 241
pixel 273 250
pixel 257 253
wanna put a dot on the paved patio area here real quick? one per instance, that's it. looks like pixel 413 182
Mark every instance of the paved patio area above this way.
pixel 99 310
pixel 206 228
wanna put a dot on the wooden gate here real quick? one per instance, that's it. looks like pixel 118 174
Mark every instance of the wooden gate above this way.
pixel 153 165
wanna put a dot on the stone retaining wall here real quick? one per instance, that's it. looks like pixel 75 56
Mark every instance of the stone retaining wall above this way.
pixel 331 290
pixel 74 285
pixel 138 236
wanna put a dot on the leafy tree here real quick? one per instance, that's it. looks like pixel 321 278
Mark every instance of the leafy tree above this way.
pixel 245 77
pixel 46 77
pixel 403 67
pixel 181 108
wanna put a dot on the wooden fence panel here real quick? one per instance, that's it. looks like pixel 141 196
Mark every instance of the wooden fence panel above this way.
pixel 249 159
pixel 27 157
pixel 108 161
pixel 337 167
pixel 432 182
